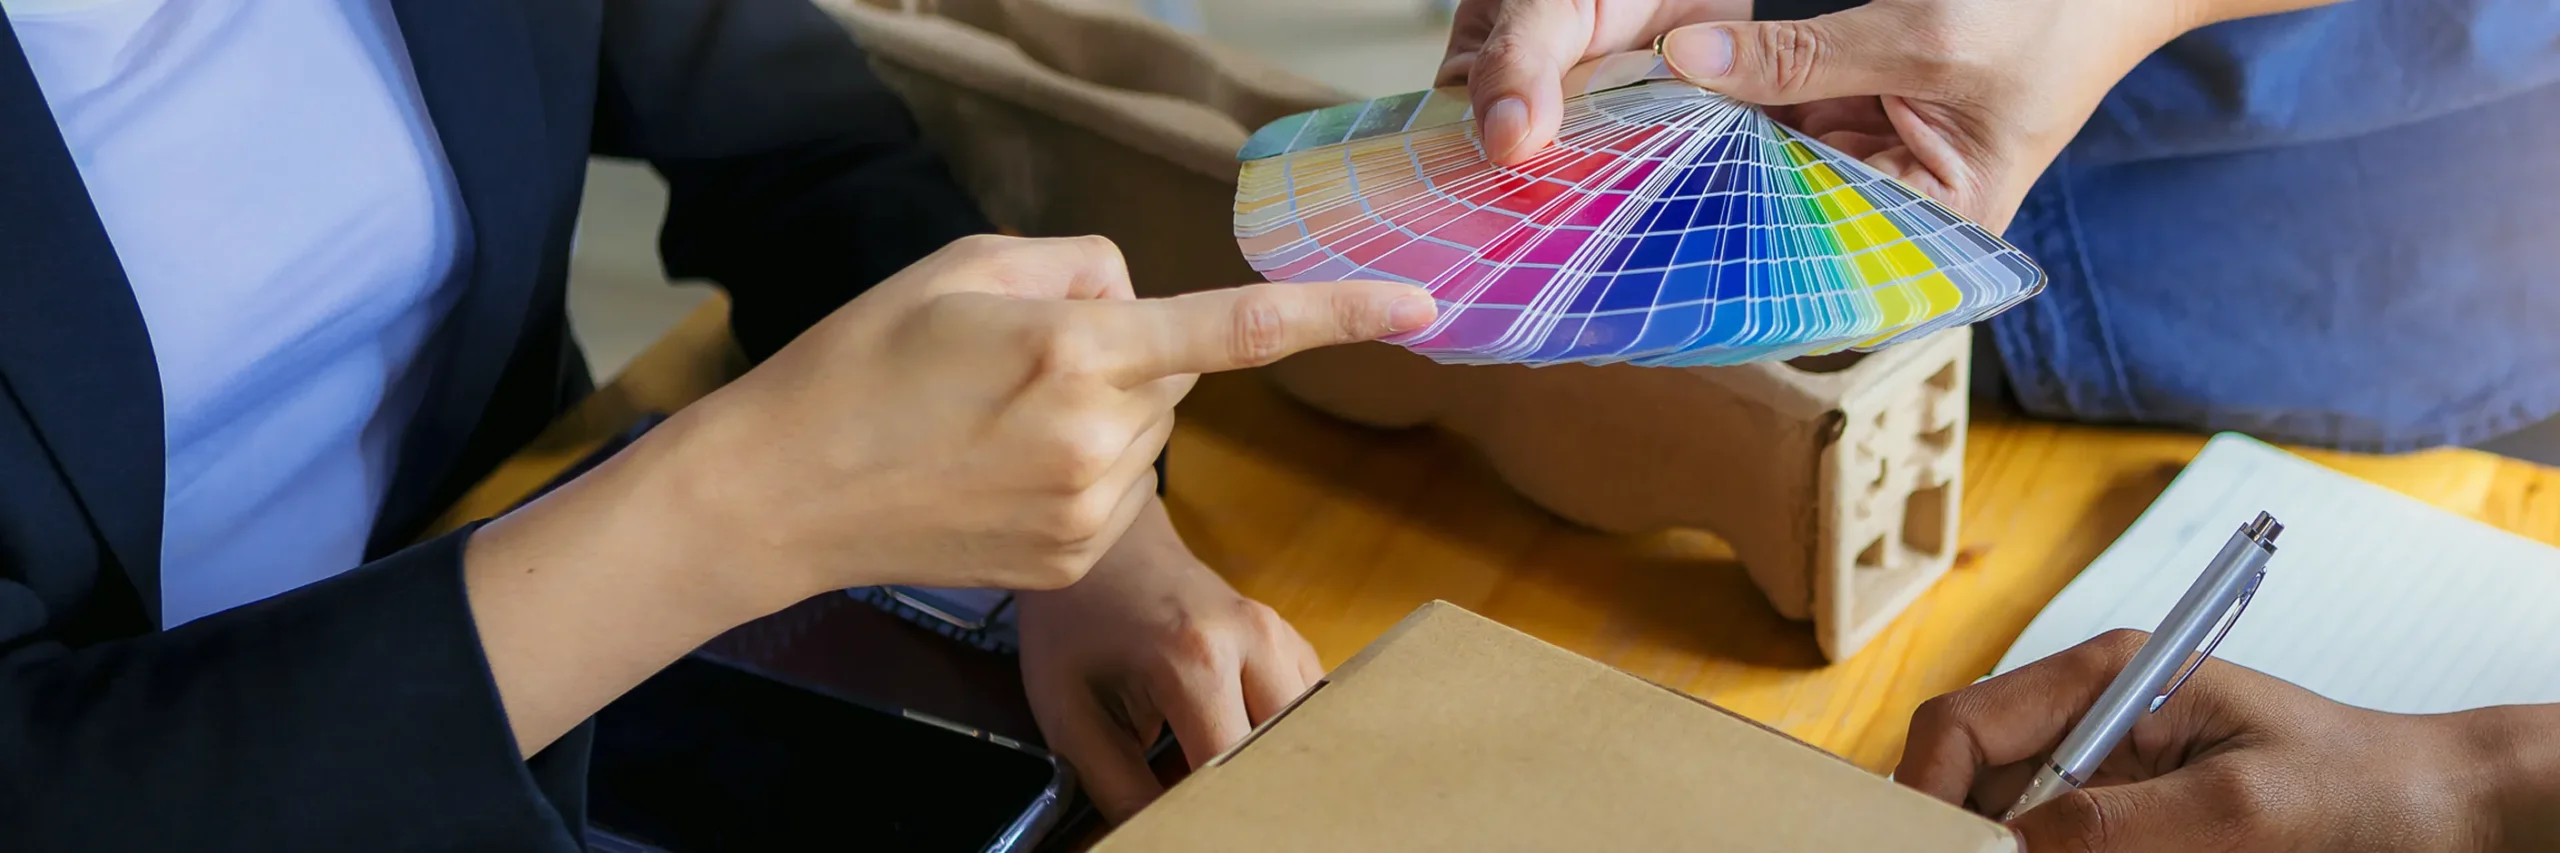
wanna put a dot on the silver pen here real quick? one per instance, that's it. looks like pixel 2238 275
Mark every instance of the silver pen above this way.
pixel 2218 596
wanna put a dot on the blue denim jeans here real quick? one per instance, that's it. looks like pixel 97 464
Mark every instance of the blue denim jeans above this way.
pixel 2539 443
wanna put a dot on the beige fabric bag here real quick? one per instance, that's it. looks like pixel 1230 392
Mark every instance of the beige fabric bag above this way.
pixel 1075 119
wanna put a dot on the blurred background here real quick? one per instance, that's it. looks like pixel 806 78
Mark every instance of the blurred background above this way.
pixel 621 301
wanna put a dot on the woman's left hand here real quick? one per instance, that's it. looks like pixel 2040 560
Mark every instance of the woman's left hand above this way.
pixel 1965 100
pixel 1152 636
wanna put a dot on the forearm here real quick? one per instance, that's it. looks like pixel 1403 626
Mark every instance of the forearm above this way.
pixel 2519 747
pixel 581 595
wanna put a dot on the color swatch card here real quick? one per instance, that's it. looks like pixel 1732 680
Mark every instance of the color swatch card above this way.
pixel 1668 225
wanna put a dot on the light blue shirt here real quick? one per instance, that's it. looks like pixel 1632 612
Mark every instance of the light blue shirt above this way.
pixel 2336 227
pixel 291 231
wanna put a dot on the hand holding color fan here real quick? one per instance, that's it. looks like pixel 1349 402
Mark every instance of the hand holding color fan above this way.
pixel 1667 226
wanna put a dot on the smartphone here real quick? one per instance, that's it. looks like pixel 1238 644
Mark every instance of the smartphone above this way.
pixel 981 618
pixel 712 756
pixel 1083 822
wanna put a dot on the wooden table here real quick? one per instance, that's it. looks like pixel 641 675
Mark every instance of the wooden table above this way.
pixel 1345 530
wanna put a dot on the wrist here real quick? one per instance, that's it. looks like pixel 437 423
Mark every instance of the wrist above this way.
pixel 696 512
pixel 1137 564
pixel 584 592
pixel 639 522
pixel 2517 748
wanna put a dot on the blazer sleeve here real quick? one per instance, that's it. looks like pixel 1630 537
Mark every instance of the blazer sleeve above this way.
pixel 796 178
pixel 357 713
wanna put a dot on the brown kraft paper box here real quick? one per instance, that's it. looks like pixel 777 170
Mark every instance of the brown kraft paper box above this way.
pixel 1452 732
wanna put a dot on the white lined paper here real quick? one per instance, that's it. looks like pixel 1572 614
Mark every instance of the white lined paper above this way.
pixel 2373 598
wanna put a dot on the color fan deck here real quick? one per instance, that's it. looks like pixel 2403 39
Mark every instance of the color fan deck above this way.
pixel 1667 226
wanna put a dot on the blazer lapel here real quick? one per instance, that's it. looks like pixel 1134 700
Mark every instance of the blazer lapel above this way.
pixel 73 348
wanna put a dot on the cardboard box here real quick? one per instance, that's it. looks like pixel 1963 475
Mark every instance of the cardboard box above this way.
pixel 1452 732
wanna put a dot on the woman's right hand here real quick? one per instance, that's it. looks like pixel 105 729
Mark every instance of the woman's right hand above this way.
pixel 989 417
pixel 2238 760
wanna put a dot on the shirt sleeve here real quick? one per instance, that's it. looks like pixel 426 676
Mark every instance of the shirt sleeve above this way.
pixel 2322 74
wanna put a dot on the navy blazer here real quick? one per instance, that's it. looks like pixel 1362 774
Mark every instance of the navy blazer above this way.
pixel 358 713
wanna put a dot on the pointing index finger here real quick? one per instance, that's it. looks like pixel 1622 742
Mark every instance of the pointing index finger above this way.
pixel 1236 328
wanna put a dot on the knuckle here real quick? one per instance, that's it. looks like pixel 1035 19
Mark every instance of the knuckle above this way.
pixel 1035 264
pixel 1519 44
pixel 1261 328
pixel 983 245
pixel 1098 248
pixel 1062 350
pixel 1082 452
pixel 1189 644
pixel 2098 658
pixel 1078 519
pixel 961 320
pixel 1259 615
pixel 1103 257
pixel 1354 315
pixel 1037 336
pixel 1938 714
pixel 1504 47
pixel 2117 645
pixel 1790 56
pixel 942 309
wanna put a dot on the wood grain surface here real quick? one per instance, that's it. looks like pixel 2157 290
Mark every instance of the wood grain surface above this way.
pixel 1344 530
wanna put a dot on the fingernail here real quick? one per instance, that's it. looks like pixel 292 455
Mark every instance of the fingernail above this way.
pixel 1699 51
pixel 1411 312
pixel 1504 125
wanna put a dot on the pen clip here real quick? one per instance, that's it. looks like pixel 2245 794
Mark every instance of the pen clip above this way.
pixel 2227 623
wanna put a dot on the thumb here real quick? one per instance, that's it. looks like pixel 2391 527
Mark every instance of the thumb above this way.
pixel 2197 808
pixel 1839 55
pixel 1517 82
